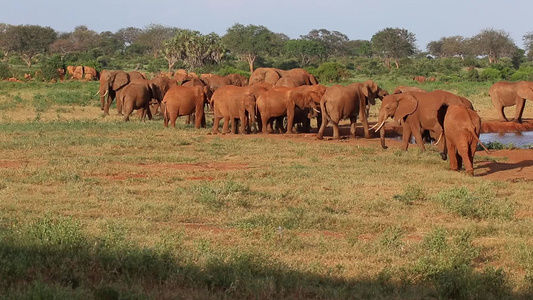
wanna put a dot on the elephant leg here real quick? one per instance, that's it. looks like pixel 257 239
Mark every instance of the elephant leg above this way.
pixel 119 106
pixel 290 121
pixel 499 109
pixel 336 133
pixel 406 136
pixel 418 138
pixel 242 122
pixel 148 112
pixel 233 125
pixel 322 127
pixel 353 126
pixel 216 124
pixel 225 126
pixel 453 158
pixel 265 124
pixel 520 105
pixel 364 120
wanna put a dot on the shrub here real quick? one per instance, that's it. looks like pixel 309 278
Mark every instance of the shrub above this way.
pixel 471 75
pixel 49 68
pixel 482 204
pixel 524 73
pixel 331 72
pixel 490 74
pixel 4 71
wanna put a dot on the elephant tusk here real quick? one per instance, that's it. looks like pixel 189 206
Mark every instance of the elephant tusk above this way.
pixel 105 93
pixel 98 92
pixel 316 110
pixel 440 137
pixel 378 127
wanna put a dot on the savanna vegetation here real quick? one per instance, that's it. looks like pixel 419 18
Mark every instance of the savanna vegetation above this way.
pixel 95 208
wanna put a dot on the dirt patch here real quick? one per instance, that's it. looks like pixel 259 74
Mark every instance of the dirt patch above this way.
pixel 517 165
pixel 119 176
pixel 497 126
pixel 10 164
pixel 197 166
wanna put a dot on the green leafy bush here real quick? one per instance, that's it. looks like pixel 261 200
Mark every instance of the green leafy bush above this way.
pixel 490 74
pixel 49 68
pixel 331 72
pixel 4 71
pixel 523 73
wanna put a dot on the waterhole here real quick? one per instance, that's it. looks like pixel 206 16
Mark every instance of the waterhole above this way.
pixel 518 139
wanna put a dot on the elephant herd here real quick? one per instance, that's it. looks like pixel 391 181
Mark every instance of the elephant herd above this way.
pixel 277 100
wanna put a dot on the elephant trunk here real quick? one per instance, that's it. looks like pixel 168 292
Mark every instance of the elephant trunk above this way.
pixel 106 102
pixel 382 137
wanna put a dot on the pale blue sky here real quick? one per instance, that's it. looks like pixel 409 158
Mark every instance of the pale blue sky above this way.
pixel 428 20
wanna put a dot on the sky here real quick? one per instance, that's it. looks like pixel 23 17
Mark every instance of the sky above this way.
pixel 429 20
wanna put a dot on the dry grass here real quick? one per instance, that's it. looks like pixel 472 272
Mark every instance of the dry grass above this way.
pixel 347 214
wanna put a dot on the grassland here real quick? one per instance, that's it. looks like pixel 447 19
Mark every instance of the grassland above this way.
pixel 91 207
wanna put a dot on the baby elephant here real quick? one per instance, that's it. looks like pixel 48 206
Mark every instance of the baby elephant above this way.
pixel 462 127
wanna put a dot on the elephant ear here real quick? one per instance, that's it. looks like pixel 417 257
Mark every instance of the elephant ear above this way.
pixel 119 80
pixel 370 89
pixel 407 104
pixel 525 90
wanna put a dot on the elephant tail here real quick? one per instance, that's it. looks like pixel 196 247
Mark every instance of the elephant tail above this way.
pixel 324 110
pixel 472 132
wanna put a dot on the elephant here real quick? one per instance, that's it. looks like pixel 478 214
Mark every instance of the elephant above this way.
pixel 280 101
pixel 272 75
pixel 462 127
pixel 70 71
pixel 418 111
pixel 431 79
pixel 78 73
pixel 237 79
pixel 419 79
pixel 90 73
pixel 111 84
pixel 138 95
pixel 341 102
pixel 163 84
pixel 504 94
pixel 231 102
pixel 185 100
pixel 403 89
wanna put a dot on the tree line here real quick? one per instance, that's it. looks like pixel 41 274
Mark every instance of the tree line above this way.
pixel 245 47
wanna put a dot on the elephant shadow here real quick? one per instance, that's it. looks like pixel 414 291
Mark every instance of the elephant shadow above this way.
pixel 494 167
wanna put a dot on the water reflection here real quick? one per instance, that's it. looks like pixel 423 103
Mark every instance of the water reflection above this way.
pixel 518 139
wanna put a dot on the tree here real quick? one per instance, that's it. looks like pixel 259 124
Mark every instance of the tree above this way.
pixel 109 42
pixel 249 42
pixel 333 41
pixel 128 35
pixel 30 40
pixel 305 51
pixel 361 48
pixel 528 43
pixel 493 44
pixel 82 39
pixel 393 44
pixel 154 35
pixel 448 47
pixel 193 48
pixel 7 41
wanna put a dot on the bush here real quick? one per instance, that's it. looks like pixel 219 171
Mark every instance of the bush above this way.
pixel 471 75
pixel 331 72
pixel 490 74
pixel 49 68
pixel 4 71
pixel 523 73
